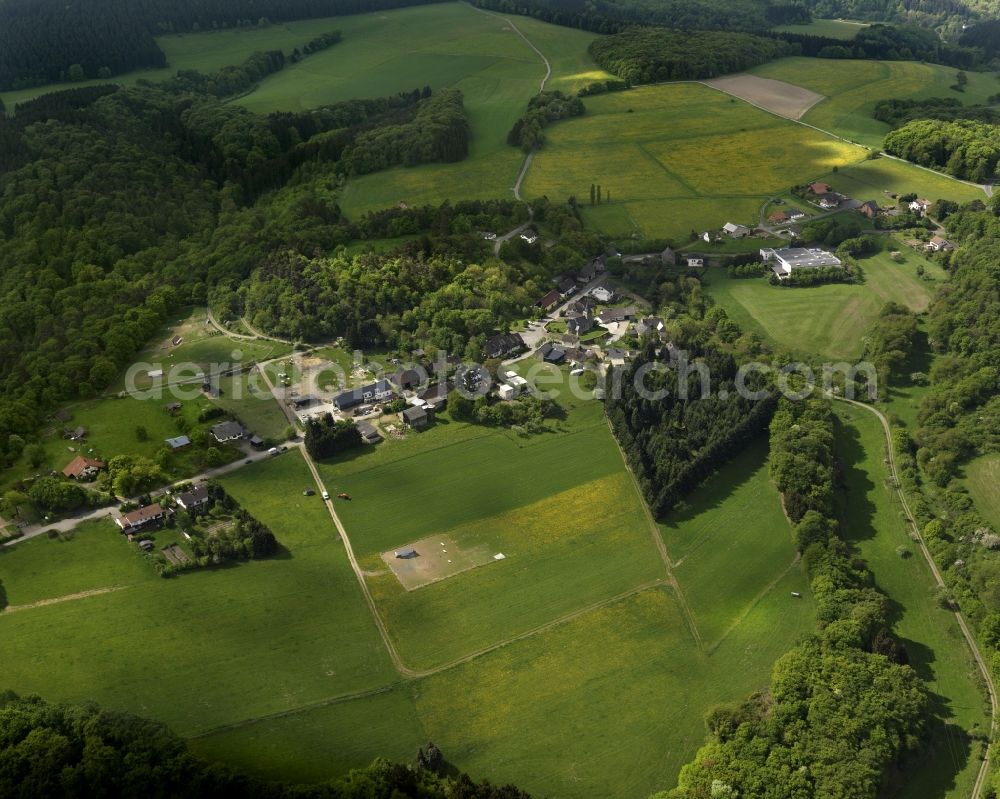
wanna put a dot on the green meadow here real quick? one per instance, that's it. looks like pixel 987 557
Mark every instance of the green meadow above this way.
pixel 206 648
pixel 982 476
pixel 873 522
pixel 828 320
pixel 852 89
pixel 676 158
pixel 446 45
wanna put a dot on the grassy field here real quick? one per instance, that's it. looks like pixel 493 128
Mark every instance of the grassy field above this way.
pixel 737 519
pixel 678 157
pixel 982 476
pixel 872 521
pixel 845 29
pixel 297 618
pixel 830 320
pixel 853 87
pixel 206 51
pixel 869 180
pixel 565 712
pixel 447 45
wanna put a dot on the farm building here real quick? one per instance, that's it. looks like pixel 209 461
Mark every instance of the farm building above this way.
pixel 172 407
pixel 373 392
pixel 369 433
pixel 81 468
pixel 436 396
pixel 195 498
pixel 820 188
pixel 869 209
pixel 784 261
pixel 304 401
pixel 416 417
pixel 228 431
pixel 178 442
pixel 130 522
pixel 406 554
pixel 408 379
pixel 779 217
pixel 668 257
pixel 735 231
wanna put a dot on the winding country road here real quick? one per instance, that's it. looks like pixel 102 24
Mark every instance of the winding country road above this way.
pixel 959 618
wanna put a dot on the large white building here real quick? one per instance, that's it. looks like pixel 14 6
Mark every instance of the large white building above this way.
pixel 787 259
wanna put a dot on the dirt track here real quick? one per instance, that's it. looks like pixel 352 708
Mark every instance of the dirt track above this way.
pixel 776 96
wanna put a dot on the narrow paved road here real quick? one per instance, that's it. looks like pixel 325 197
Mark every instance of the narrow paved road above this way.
pixel 959 618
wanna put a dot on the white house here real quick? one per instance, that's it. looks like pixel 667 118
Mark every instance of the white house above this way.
pixel 506 392
pixel 695 263
pixel 529 236
pixel 919 207
pixel 735 231
pixel 784 261
pixel 602 294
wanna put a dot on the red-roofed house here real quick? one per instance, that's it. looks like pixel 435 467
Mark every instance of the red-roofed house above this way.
pixel 82 468
pixel 819 188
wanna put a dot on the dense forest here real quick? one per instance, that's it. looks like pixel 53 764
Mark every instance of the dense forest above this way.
pixel 648 55
pixel 63 750
pixel 674 433
pixel 611 16
pixel 947 16
pixel 948 109
pixel 543 109
pixel 843 709
pixel 42 41
pixel 964 148
pixel 438 131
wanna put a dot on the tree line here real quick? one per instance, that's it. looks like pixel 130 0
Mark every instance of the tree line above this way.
pixel 68 750
pixel 843 710
pixel 543 109
pixel 648 55
pixel 897 113
pixel 44 41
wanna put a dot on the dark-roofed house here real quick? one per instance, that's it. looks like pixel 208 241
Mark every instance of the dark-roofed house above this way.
pixel 305 401
pixel 610 315
pixel 830 200
pixel 503 345
pixel 407 379
pixel 373 392
pixel 668 257
pixel 436 396
pixel 870 209
pixel 415 417
pixel 172 407
pixel 406 554
pixel 651 326
pixel 566 287
pixel 81 468
pixel 195 498
pixel 256 442
pixel 228 431
pixel 369 433
pixel 578 325
pixel 551 353
pixel 549 301
pixel 140 518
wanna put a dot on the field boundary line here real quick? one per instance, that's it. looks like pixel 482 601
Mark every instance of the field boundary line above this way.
pixel 661 547
pixel 753 603
pixel 890 461
pixel 333 700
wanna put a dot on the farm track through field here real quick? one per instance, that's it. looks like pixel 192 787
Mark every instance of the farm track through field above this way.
pixel 541 88
pixel 67 598
pixel 959 618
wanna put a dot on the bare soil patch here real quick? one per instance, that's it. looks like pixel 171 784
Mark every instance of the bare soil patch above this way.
pixel 437 558
pixel 784 99
pixel 57 599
